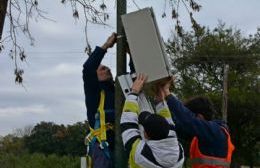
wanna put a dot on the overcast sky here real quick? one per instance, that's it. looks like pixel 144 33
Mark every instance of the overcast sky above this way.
pixel 53 78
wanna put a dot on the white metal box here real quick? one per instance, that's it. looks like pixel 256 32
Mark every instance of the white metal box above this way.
pixel 145 44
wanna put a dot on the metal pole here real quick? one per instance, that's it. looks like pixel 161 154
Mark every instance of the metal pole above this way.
pixel 120 159
pixel 3 7
pixel 225 93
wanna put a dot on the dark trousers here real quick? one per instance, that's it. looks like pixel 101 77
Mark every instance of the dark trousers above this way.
pixel 99 159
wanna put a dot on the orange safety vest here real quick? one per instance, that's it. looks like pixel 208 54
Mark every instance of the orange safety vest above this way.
pixel 199 160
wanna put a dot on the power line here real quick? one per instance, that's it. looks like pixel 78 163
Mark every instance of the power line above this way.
pixel 61 52
pixel 55 52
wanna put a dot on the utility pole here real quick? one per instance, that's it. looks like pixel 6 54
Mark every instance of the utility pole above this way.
pixel 3 7
pixel 120 158
pixel 225 92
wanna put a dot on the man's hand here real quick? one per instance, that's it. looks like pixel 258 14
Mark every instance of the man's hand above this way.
pixel 139 83
pixel 110 41
pixel 163 88
pixel 159 94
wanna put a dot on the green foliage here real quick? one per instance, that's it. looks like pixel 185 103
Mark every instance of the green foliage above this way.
pixel 49 145
pixel 49 138
pixel 198 60
pixel 12 144
pixel 12 160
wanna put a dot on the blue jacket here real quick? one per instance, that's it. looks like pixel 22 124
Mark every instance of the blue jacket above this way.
pixel 92 88
pixel 212 139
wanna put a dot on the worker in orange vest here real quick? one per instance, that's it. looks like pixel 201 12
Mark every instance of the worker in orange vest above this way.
pixel 211 145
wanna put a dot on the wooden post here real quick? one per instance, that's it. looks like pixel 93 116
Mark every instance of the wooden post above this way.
pixel 120 160
pixel 3 7
pixel 225 93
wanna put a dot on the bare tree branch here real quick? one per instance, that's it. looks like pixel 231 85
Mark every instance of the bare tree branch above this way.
pixel 20 13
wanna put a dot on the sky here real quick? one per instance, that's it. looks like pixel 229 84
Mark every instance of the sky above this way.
pixel 53 87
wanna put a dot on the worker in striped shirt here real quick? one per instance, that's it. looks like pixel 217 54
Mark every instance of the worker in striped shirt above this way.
pixel 160 146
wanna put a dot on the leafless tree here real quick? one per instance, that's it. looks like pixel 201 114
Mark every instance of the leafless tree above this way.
pixel 18 14
pixel 94 12
pixel 21 132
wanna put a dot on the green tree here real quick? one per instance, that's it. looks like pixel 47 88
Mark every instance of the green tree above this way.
pixel 49 138
pixel 12 144
pixel 75 139
pixel 42 138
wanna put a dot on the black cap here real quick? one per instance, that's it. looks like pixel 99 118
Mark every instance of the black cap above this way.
pixel 201 105
pixel 155 126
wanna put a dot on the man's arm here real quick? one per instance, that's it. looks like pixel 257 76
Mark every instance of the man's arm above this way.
pixel 190 124
pixel 91 65
pixel 163 110
pixel 91 86
pixel 129 122
pixel 129 118
pixel 161 107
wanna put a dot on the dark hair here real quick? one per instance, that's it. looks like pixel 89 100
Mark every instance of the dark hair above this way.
pixel 155 126
pixel 201 105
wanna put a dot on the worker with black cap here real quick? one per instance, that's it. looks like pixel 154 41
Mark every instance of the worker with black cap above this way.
pixel 211 145
pixel 160 146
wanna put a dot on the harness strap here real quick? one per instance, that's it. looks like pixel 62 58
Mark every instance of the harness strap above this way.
pixel 97 133
pixel 103 136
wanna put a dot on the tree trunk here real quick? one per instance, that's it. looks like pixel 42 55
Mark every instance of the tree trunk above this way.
pixel 3 7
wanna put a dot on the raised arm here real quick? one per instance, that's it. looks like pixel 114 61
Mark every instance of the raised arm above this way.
pixel 186 119
pixel 129 119
pixel 91 84
pixel 163 110
pixel 129 122
pixel 92 63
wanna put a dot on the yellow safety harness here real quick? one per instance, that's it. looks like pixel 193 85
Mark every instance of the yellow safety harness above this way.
pixel 99 133
pixel 103 135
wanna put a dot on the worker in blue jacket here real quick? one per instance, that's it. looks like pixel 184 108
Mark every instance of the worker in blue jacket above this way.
pixel 211 145
pixel 100 99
